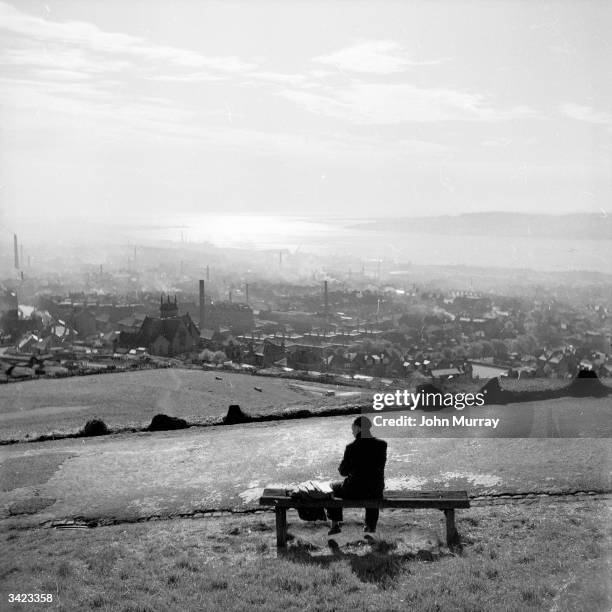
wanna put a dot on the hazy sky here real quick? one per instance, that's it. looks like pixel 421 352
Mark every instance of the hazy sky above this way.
pixel 137 109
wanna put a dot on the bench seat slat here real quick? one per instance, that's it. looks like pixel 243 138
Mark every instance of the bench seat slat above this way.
pixel 426 494
pixel 392 494
pixel 367 503
pixel 391 499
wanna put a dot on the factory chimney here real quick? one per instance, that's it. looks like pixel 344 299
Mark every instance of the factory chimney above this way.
pixel 16 250
pixel 326 299
pixel 201 305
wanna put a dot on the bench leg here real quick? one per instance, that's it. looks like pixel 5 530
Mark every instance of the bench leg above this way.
pixel 281 527
pixel 452 535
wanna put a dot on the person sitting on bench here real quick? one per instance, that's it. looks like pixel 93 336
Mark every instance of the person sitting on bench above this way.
pixel 363 465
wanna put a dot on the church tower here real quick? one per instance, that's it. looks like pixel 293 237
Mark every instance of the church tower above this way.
pixel 168 309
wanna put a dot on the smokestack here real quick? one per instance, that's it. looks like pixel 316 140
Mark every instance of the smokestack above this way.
pixel 326 299
pixel 246 290
pixel 16 250
pixel 230 295
pixel 201 305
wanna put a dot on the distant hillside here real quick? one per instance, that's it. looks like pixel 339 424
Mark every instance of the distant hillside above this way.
pixel 575 226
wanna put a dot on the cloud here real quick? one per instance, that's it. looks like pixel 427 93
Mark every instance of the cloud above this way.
pixel 585 113
pixel 375 57
pixel 383 103
pixel 89 38
pixel 497 143
pixel 150 120
pixel 39 55
pixel 75 67
pixel 60 74
pixel 279 78
pixel 191 77
pixel 68 100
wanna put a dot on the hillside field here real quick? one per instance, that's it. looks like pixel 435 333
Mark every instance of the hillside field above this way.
pixel 131 399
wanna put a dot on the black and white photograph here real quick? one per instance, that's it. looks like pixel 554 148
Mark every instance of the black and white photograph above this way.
pixel 305 305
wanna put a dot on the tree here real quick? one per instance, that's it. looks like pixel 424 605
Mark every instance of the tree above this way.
pixel 508 331
pixel 459 352
pixel 219 357
pixel 232 349
pixel 487 349
pixel 500 350
pixel 475 350
pixel 515 346
pixel 527 343
pixel 207 356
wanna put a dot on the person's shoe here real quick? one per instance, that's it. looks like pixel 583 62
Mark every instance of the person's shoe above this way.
pixel 333 546
pixel 367 529
pixel 334 530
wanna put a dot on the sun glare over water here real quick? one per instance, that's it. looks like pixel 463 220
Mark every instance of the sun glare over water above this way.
pixel 253 231
pixel 334 236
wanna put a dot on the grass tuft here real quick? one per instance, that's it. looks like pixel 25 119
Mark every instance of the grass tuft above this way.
pixel 97 602
pixel 64 570
pixel 218 585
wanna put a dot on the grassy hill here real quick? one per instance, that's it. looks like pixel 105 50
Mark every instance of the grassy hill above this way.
pixel 545 556
pixel 131 399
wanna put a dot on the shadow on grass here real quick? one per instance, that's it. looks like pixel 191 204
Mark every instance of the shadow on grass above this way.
pixel 380 565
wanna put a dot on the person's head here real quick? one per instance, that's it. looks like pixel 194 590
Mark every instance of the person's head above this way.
pixel 361 425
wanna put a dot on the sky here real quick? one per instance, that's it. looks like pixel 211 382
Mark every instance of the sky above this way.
pixel 137 111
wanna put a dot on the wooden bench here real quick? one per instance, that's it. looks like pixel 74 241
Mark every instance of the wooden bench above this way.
pixel 447 501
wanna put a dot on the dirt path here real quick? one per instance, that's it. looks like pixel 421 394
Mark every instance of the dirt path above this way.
pixel 165 402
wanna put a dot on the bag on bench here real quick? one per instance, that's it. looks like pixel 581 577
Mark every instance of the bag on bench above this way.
pixel 312 490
